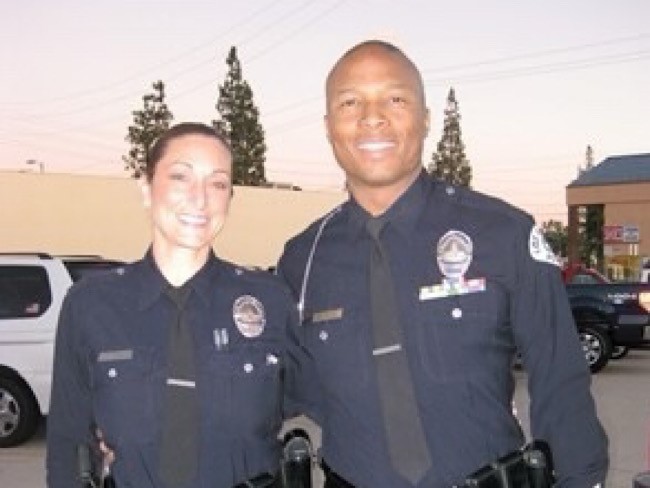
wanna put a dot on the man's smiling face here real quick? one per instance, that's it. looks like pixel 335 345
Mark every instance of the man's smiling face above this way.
pixel 376 118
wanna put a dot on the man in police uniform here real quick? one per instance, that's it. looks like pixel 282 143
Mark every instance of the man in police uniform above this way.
pixel 473 281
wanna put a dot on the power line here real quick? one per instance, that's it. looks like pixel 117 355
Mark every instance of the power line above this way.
pixel 297 30
pixel 270 25
pixel 537 54
pixel 521 71
pixel 514 72
pixel 269 48
pixel 151 68
pixel 545 69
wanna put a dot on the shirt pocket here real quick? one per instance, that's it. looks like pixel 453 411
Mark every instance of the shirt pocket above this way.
pixel 246 387
pixel 459 334
pixel 337 345
pixel 123 396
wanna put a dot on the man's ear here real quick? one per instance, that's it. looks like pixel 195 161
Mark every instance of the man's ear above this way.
pixel 145 189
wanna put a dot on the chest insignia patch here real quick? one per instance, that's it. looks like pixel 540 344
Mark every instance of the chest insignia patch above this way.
pixel 249 316
pixel 539 248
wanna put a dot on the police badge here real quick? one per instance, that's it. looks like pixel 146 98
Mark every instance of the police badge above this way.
pixel 248 314
pixel 453 255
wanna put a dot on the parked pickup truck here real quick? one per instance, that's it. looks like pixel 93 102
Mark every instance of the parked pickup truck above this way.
pixel 32 287
pixel 611 317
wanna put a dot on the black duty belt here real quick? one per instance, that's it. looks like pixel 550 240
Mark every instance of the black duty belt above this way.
pixel 529 467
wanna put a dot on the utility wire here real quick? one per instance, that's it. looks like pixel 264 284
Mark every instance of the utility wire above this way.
pixel 546 68
pixel 147 71
pixel 537 54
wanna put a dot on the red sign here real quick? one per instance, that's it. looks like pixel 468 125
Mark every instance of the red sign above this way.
pixel 613 233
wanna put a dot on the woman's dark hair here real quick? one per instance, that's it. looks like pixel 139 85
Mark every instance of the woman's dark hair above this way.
pixel 157 150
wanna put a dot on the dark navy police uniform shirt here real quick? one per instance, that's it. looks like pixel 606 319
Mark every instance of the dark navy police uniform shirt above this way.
pixel 460 347
pixel 109 371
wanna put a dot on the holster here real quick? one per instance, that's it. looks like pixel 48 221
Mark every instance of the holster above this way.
pixel 297 459
pixel 528 467
pixel 295 466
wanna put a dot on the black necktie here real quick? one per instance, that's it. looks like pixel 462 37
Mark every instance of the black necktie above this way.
pixel 179 443
pixel 406 442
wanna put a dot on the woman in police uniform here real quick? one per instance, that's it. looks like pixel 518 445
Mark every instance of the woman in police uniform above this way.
pixel 205 414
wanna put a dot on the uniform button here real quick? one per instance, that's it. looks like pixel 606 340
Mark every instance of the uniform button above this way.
pixel 271 359
pixel 112 373
pixel 239 271
pixel 450 190
pixel 248 367
pixel 457 313
pixel 323 335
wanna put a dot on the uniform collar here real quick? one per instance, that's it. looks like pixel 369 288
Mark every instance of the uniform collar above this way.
pixel 403 214
pixel 153 283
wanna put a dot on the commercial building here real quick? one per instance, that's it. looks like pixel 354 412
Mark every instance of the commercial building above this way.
pixel 621 184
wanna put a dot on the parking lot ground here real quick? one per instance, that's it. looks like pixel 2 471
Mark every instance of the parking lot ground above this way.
pixel 24 466
pixel 622 392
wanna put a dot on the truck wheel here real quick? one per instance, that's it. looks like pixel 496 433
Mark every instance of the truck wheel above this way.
pixel 619 352
pixel 596 345
pixel 19 413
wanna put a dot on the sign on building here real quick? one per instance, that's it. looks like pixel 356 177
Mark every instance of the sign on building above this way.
pixel 621 234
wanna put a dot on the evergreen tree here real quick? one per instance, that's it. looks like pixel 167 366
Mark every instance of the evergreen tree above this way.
pixel 589 158
pixel 449 162
pixel 591 248
pixel 148 124
pixel 557 236
pixel 239 121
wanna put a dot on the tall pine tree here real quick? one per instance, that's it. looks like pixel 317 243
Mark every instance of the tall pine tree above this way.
pixel 449 162
pixel 239 121
pixel 592 248
pixel 557 236
pixel 148 123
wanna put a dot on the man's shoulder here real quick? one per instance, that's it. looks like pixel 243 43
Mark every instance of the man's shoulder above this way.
pixel 304 239
pixel 485 206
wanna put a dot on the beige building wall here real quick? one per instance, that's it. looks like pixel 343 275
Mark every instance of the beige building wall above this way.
pixel 632 214
pixel 78 214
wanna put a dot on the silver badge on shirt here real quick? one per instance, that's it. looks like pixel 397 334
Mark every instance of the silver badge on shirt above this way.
pixel 249 316
pixel 454 253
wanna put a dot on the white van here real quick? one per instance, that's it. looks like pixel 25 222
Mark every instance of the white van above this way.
pixel 32 288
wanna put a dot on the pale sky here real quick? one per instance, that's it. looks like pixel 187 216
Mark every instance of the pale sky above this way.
pixel 536 82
